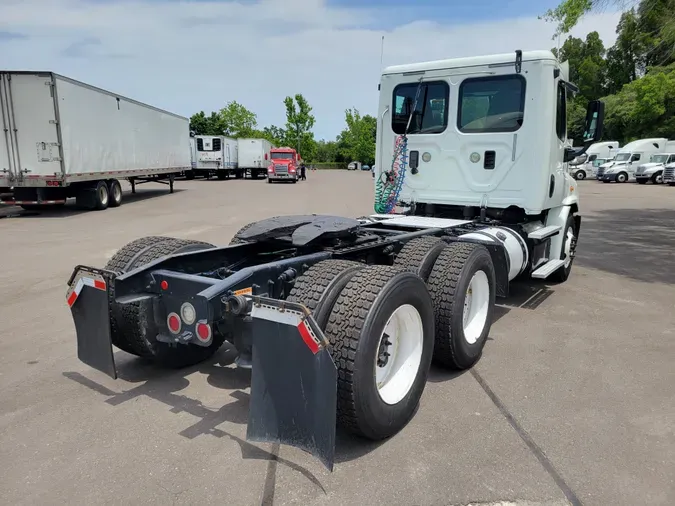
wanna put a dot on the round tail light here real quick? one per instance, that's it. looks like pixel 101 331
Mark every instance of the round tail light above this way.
pixel 173 322
pixel 188 313
pixel 203 332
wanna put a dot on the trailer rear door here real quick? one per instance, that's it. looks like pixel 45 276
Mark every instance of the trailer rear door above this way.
pixel 30 111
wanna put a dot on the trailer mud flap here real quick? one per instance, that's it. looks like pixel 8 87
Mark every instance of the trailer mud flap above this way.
pixel 294 381
pixel 87 297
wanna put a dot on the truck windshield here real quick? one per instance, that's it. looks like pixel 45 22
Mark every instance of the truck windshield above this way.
pixel 281 156
pixel 622 157
pixel 659 158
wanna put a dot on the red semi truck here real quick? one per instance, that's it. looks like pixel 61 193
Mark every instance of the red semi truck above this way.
pixel 283 166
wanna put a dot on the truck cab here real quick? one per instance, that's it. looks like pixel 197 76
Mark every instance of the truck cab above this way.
pixel 627 160
pixel 653 170
pixel 283 165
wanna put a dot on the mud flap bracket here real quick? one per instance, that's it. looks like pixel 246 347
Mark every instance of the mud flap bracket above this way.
pixel 293 382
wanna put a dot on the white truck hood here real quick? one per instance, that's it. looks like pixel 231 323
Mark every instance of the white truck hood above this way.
pixel 648 168
pixel 614 167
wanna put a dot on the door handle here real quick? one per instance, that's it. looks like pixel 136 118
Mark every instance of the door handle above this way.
pixel 414 161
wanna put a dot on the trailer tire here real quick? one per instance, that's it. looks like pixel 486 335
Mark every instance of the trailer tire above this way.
pixel 459 268
pixel 130 321
pixel 115 192
pixel 221 175
pixel 569 245
pixel 419 255
pixel 320 286
pixel 371 403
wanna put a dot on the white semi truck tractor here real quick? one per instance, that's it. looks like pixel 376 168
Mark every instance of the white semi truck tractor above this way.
pixel 340 318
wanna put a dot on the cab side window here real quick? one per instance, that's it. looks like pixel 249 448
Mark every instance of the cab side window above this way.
pixel 561 113
pixel 635 157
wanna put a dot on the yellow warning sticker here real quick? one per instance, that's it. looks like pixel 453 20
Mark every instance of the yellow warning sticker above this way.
pixel 244 291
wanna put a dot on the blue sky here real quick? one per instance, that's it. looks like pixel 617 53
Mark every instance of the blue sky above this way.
pixel 193 55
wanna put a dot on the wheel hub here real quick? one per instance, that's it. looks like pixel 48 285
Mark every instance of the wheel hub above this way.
pixel 383 353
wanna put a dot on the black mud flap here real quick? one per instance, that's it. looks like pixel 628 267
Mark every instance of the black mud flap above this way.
pixel 87 297
pixel 294 380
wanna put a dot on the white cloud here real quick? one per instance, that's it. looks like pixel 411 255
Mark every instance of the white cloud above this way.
pixel 189 56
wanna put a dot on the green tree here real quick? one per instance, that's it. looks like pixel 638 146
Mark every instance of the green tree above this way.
pixel 201 124
pixel 274 134
pixel 237 121
pixel 357 141
pixel 325 152
pixel 299 124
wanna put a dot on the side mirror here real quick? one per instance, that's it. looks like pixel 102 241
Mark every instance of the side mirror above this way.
pixel 595 116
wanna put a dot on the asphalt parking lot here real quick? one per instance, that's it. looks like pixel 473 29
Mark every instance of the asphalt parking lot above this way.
pixel 573 401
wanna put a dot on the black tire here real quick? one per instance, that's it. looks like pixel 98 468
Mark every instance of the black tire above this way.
pixel 320 286
pixel 419 255
pixel 189 175
pixel 580 175
pixel 642 181
pixel 354 329
pixel 621 177
pixel 671 184
pixel 448 284
pixel 657 178
pixel 115 193
pixel 132 330
pixel 269 181
pixel 562 274
pixel 221 175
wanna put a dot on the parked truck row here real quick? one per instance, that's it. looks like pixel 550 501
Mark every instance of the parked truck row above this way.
pixel 62 139
pixel 641 161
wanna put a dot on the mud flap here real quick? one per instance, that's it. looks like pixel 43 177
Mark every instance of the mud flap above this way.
pixel 87 297
pixel 293 382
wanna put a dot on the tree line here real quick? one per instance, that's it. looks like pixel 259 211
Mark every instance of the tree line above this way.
pixel 635 77
pixel 356 142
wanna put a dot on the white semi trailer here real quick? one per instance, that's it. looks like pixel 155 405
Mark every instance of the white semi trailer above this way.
pixel 254 157
pixel 216 154
pixel 62 138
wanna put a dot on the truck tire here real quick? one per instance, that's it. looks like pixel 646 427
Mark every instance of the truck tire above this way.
pixel 462 281
pixel 129 323
pixel 642 181
pixel 419 255
pixel 621 177
pixel 320 286
pixel 221 175
pixel 580 175
pixel 115 192
pixel 567 253
pixel 377 397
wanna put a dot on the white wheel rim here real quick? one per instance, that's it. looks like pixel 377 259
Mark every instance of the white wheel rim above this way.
pixel 569 237
pixel 620 178
pixel 659 179
pixel 476 304
pixel 395 373
pixel 103 194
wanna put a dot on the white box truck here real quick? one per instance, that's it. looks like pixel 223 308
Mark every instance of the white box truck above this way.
pixel 63 138
pixel 216 154
pixel 254 157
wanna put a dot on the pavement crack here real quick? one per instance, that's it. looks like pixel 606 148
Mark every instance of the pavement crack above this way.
pixel 529 442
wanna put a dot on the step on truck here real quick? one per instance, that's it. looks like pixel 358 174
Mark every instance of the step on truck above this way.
pixel 254 157
pixel 340 318
pixel 62 138
pixel 216 155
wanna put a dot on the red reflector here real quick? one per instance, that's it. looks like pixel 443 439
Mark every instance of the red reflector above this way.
pixel 164 284
pixel 173 322
pixel 203 331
